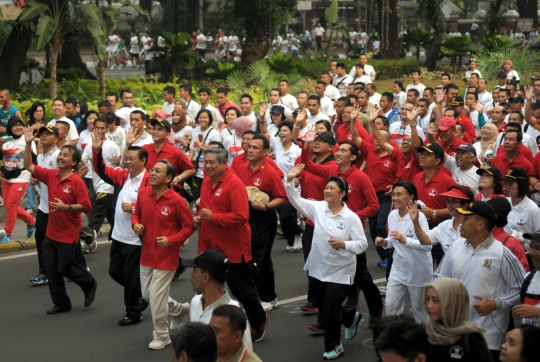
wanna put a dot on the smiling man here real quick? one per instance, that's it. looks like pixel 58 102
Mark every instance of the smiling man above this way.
pixel 58 108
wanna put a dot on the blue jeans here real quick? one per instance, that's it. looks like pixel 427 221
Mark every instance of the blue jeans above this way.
pixel 31 197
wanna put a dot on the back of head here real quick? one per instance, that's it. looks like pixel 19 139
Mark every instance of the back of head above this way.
pixel 502 208
pixel 197 340
pixel 531 336
pixel 402 338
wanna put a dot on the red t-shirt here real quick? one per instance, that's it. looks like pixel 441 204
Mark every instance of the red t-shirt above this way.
pixel 343 132
pixel 239 160
pixel 524 150
pixel 513 244
pixel 64 226
pixel 170 153
pixel 429 192
pixel 450 150
pixel 225 107
pixel 265 178
pixel 469 127
pixel 167 216
pixel 381 170
pixel 503 164
pixel 407 167
pixel 229 204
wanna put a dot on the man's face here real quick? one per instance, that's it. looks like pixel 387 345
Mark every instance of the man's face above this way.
pixel 340 71
pixel 362 99
pixel 385 103
pixel 203 97
pixel 470 100
pixel 321 147
pixel 283 87
pixel 245 106
pixel 256 151
pixel 370 90
pixel 112 101
pixel 516 106
pixel 511 142
pixel 447 136
pixel 225 338
pixel 184 94
pixel 380 125
pixel 497 114
pixel 451 93
pixel 482 85
pixel 428 95
pixel 132 161
pixel 363 59
pixel 274 97
pixel 313 107
pixel 326 78
pixel 246 140
pixel 333 67
pixel 302 99
pixel 212 166
pixel 350 89
pixel 464 159
pixel 495 94
pixel 103 110
pixel 343 155
pixel 319 89
pixel 469 226
pixel 449 113
pixel 222 99
pixel 444 80
pixel 407 107
pixel 339 107
pixel 427 160
pixel 423 108
pixel 58 109
pixel 127 99
pixel 415 76
pixel 4 98
pixel 536 86
pixel 411 97
pixel 158 175
pixel 473 80
pixel 197 280
pixel 346 116
pixel 70 110
pixel 47 139
pixel 65 160
pixel 159 134
pixel 136 122
pixel 502 96
pixel 101 129
pixel 168 97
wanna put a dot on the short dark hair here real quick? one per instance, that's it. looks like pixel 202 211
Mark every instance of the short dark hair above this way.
pixel 60 100
pixel 476 75
pixel 252 132
pixel 266 143
pixel 216 143
pixel 353 148
pixel 102 120
pixel 112 94
pixel 446 75
pixel 518 133
pixel 125 91
pixel 454 112
pixel 342 184
pixel 170 89
pixel 141 113
pixel 207 111
pixel 283 81
pixel 75 154
pixel 237 318
pixel 409 186
pixel 205 90
pixel 327 125
pixel 461 128
pixel 404 338
pixel 389 96
pixel 274 90
pixel 64 123
pixel 424 100
pixel 104 103
pixel 198 340
pixel 473 93
pixel 223 90
pixel 341 65
pixel 170 169
pixel 187 87
pixel 384 120
pixel 71 101
pixel 110 118
pixel 372 86
pixel 399 84
pixel 430 90
pixel 416 70
pixel 248 96
pixel 353 96
pixel 321 83
pixel 521 118
pixel 363 91
pixel 315 98
pixel 450 86
pixel 414 91
pixel 141 153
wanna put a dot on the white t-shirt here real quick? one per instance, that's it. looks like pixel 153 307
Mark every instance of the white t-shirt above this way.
pixel 233 43
pixel 215 115
pixel 332 92
pixel 267 118
pixel 352 36
pixel 420 88
pixel 341 83
pixel 534 289
pixel 201 41
pixel 192 108
pixel 144 139
pixel 117 136
pixel 233 146
pixel 201 136
pixel 113 43
pixel 327 106
pixel 109 150
pixel 134 43
pixel 167 107
pixel 123 230
pixel 319 31
pixel 398 132
pixel 178 135
pixel 13 159
pixel 284 159
pixel 467 178
pixel 376 47
pixel 368 70
pixel 124 113
pixel 46 160
pixel 318 117
pixel 364 79
pixel 375 98
pixel 284 46
pixel 72 134
pixel 289 101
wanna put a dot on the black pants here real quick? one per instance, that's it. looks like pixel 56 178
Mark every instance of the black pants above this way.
pixel 307 240
pixel 377 223
pixel 60 262
pixel 263 231
pixel 124 268
pixel 90 187
pixel 319 42
pixel 288 218
pixel 100 210
pixel 437 252
pixel 330 297
pixel 364 282
pixel 42 220
pixel 242 286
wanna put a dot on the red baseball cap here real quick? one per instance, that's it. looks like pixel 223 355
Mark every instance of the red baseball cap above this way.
pixel 446 123
pixel 458 194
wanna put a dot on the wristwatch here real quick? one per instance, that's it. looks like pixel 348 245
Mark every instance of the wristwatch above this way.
pixel 266 207
pixel 70 209
pixel 434 215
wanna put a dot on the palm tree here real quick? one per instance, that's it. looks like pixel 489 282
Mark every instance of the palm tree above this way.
pixel 455 47
pixel 417 37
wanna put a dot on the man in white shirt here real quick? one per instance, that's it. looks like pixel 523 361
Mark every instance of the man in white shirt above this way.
pixel 58 108
pixel 484 96
pixel 114 51
pixel 233 44
pixel 126 96
pixel 246 105
pixel 342 80
pixel 319 33
pixel 492 274
pixel 134 49
pixel 327 106
pixel 169 94
pixel 415 76
pixel 352 39
pixel 275 99
pixel 208 280
pixel 204 97
pixel 192 107
pixel 314 116
pixel 137 125
pixel 368 69
pixel 125 253
pixel 287 99
pixel 330 91
pixel 201 44
pixel 374 97
pixel 462 167
pixel 113 98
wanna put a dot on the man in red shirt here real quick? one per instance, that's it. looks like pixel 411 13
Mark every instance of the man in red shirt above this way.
pixel 164 221
pixel 457 103
pixel 259 173
pixel 343 131
pixel 498 115
pixel 512 157
pixel 224 210
pixel 68 198
pixel 429 184
pixel 446 135
pixel 223 102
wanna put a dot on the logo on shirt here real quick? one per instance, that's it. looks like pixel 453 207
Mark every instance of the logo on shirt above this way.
pixel 350 188
pixel 257 182
pixel 66 189
pixel 289 159
pixel 50 163
pixel 521 221
pixel 349 137
pixel 19 189
pixel 410 233
pixel 387 163
pixel 218 192
pixel 456 352
pixel 487 263
pixel 165 211
pixel 340 225
pixel 432 192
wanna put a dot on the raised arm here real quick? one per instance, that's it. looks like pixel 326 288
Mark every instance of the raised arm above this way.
pixel 296 128
pixel 131 138
pixel 262 122
pixel 28 138
pixel 439 100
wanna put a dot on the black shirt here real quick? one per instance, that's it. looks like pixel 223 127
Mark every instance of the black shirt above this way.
pixel 476 351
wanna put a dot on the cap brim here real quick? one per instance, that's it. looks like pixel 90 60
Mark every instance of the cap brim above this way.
pixel 455 193
pixel 464 212
pixel 534 236
pixel 189 263
pixel 424 148
pixel 444 128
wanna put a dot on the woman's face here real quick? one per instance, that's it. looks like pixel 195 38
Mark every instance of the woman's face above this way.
pixel 433 305
pixel 486 181
pixel 230 117
pixel 452 204
pixel 276 117
pixel 320 128
pixel 204 120
pixel 90 121
pixel 332 192
pixel 512 347
pixel 472 66
pixel 511 189
pixel 39 113
pixel 285 134
pixel 396 88
pixel 484 132
pixel 359 71
pixel 18 129
pixel 400 197
pixel 506 66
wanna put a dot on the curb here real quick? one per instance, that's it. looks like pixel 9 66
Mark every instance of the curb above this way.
pixel 30 243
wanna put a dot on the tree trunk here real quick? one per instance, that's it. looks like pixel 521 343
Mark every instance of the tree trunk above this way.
pixel 14 55
pixel 71 56
pixel 492 18
pixel 418 53
pixel 389 20
pixel 254 46
pixel 102 65
pixel 435 18
pixel 330 40
pixel 55 49
pixel 143 23
pixel 528 9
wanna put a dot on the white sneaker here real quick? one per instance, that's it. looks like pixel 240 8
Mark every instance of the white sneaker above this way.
pixel 297 243
pixel 289 248
pixel 176 321
pixel 112 67
pixel 119 67
pixel 158 343
pixel 268 306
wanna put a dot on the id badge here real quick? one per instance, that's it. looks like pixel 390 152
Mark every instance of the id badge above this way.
pixel 401 131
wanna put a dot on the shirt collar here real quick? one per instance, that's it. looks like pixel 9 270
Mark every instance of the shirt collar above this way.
pixel 486 243
pixel 139 176
pixel 224 300
pixel 51 151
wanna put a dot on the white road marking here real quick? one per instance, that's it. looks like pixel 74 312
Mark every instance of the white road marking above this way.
pixel 22 255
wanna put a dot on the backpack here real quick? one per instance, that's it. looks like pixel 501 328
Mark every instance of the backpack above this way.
pixel 525 286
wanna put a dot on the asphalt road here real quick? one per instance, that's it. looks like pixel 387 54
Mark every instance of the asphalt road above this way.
pixel 27 333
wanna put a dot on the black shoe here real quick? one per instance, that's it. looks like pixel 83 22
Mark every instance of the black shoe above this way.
pixel 143 303
pixel 179 271
pixel 317 327
pixel 309 307
pixel 258 334
pixel 129 320
pixel 90 295
pixel 352 302
pixel 58 309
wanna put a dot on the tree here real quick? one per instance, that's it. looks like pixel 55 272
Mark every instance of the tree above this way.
pixel 493 19
pixel 176 55
pixel 431 10
pixel 261 20
pixel 456 47
pixel 14 53
pixel 331 15
pixel 390 43
pixel 528 9
pixel 418 38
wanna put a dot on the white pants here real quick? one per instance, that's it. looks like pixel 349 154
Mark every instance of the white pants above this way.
pixel 396 296
pixel 155 287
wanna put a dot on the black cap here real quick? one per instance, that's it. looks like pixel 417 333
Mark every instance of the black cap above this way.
pixel 504 103
pixel 517 98
pixel 482 209
pixel 434 148
pixel 457 101
pixel 297 110
pixel 212 260
pixel 493 171
pixel 536 104
pixel 467 147
pixel 277 109
pixel 327 137
pixel 163 123
pixel 502 75
pixel 532 236
pixel 50 129
pixel 515 174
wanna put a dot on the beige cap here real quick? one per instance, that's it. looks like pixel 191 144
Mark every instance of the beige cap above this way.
pixel 535 76
pixel 256 194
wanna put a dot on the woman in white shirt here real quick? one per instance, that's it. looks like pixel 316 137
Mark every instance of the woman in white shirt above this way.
pixel 231 114
pixel 511 74
pixel 360 76
pixel 338 237
pixel 472 69
pixel 412 266
pixel 233 143
pixel 400 97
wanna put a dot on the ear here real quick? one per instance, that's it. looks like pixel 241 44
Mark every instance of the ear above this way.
pixel 420 358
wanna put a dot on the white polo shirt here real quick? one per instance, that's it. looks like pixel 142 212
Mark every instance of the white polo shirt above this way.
pixel 47 160
pixel 284 159
pixel 123 230
pixel 289 101
pixel 267 117
pixel 327 106
pixel 420 88
pixel 124 113
pixel 192 108
pixel 332 92
pixel 524 217
pixel 444 234
pixel 144 139
pixel 72 134
pixel 109 150
pixel 312 119
pixel 368 70
pixel 412 265
pixel 398 132
pixel 491 271
pixel 467 178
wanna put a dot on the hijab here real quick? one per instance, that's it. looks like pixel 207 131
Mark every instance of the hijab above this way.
pixel 489 141
pixel 11 123
pixel 508 61
pixel 455 312
pixel 241 125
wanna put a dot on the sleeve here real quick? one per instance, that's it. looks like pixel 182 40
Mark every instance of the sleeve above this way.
pixel 445 267
pixel 73 134
pixel 278 189
pixel 239 205
pixel 358 243
pixel 324 171
pixel 136 216
pixel 372 202
pixel 421 133
pixel 517 249
pixel 413 243
pixel 306 207
pixel 186 220
pixel 364 134
pixel 513 273
pixel 450 163
pixel 111 175
pixel 81 196
pixel 366 149
pixel 182 162
pixel 42 174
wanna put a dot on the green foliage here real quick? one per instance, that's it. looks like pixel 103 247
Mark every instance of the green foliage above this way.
pixel 456 47
pixel 417 37
pixel 490 62
pixel 499 42
pixel 223 70
pixel 177 55
pixel 5 30
pixel 282 62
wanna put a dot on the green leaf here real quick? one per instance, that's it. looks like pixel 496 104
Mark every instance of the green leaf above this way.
pixel 45 30
pixel 114 14
pixel 93 12
pixel 30 12
pixel 331 13
pixel 140 10
pixel 97 33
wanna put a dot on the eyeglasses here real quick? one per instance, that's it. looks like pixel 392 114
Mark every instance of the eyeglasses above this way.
pixel 156 170
pixel 452 202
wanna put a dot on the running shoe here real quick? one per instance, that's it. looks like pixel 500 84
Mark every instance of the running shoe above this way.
pixel 309 307
pixel 159 343
pixel 350 332
pixel 258 334
pixel 297 246
pixel 317 327
pixel 337 352
pixel 383 263
pixel 6 238
pixel 268 306
pixel 92 247
pixel 279 232
pixel 39 279
pixel 30 230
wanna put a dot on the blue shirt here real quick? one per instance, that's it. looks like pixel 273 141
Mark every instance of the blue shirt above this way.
pixel 6 115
